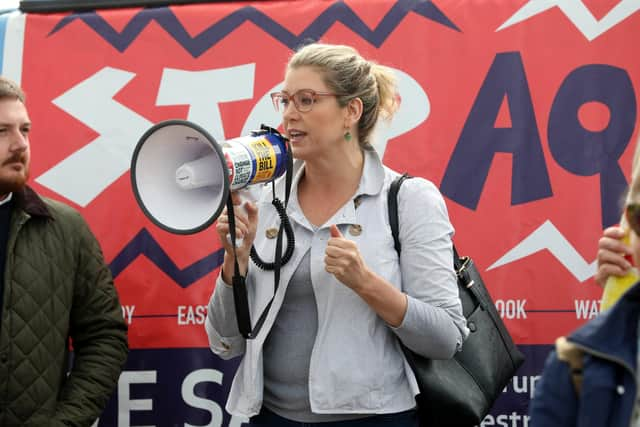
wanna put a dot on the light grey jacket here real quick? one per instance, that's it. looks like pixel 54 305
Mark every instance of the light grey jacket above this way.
pixel 356 365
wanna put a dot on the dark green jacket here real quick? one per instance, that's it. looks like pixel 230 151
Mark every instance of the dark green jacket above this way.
pixel 56 288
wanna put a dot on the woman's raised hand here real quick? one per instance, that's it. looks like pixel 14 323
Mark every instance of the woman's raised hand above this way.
pixel 611 255
pixel 246 221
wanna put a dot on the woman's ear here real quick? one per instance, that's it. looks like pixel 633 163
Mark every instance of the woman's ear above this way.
pixel 353 111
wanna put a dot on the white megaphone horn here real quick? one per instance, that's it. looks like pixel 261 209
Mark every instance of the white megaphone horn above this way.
pixel 181 177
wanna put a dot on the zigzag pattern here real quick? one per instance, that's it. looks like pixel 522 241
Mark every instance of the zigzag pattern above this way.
pixel 548 237
pixel 144 244
pixel 196 46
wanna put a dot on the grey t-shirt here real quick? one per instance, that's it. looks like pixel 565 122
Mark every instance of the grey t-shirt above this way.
pixel 287 352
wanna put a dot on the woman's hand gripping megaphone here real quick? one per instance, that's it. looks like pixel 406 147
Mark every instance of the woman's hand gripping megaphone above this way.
pixel 246 221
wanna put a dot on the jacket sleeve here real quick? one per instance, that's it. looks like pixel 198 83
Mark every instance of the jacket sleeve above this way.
pixel 221 326
pixel 98 333
pixel 434 325
pixel 555 402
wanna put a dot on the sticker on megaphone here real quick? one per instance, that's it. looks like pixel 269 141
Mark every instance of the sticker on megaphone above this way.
pixel 250 160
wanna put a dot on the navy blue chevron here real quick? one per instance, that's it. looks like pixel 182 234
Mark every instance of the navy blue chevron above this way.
pixel 196 46
pixel 144 244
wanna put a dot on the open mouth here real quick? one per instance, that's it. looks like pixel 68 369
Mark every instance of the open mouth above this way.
pixel 295 135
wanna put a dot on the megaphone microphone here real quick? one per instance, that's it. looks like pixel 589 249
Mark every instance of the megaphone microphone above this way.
pixel 181 176
pixel 197 173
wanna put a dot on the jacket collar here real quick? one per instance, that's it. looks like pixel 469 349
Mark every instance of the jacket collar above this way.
pixel 372 178
pixel 615 331
pixel 372 174
pixel 29 201
pixel 371 183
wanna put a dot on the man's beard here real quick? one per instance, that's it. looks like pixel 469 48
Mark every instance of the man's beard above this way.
pixel 15 182
pixel 12 185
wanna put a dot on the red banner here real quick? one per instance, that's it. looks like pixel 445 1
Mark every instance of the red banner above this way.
pixel 523 113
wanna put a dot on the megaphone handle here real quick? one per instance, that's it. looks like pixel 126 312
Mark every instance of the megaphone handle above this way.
pixel 240 299
pixel 238 281
pixel 241 303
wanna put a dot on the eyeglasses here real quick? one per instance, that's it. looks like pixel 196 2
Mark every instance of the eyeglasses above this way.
pixel 302 99
pixel 632 213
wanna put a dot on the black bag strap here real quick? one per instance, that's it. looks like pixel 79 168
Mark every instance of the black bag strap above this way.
pixel 392 204
pixel 459 264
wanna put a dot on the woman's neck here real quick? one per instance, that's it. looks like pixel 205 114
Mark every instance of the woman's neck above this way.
pixel 335 173
pixel 327 185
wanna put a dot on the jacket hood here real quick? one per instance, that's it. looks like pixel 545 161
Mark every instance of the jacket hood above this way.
pixel 613 330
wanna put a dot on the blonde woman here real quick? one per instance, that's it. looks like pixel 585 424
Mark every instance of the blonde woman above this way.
pixel 329 350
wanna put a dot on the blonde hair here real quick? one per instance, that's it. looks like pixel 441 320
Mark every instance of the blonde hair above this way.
pixel 349 75
pixel 633 190
pixel 10 89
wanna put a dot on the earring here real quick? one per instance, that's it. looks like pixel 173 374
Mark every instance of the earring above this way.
pixel 347 136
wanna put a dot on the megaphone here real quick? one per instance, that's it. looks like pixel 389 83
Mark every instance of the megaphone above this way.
pixel 181 176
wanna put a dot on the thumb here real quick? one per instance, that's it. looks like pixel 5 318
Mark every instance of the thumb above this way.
pixel 334 231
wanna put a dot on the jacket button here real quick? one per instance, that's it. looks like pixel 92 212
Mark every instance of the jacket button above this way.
pixel 355 229
pixel 620 389
pixel 271 233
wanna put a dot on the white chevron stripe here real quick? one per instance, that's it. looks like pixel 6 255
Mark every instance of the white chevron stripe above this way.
pixel 547 236
pixel 577 13
pixel 108 156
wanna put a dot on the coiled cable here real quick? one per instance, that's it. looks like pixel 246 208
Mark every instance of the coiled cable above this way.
pixel 288 230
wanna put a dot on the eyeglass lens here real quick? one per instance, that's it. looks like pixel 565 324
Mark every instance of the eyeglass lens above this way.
pixel 302 99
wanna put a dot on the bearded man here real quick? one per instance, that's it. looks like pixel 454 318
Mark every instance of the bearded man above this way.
pixel 56 295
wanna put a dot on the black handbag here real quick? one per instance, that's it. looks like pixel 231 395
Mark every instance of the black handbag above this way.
pixel 460 392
